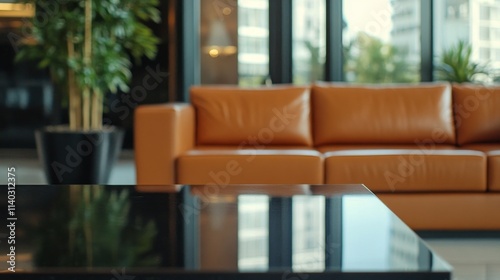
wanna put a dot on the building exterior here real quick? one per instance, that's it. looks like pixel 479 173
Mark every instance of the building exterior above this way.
pixel 253 232
pixel 253 41
pixel 476 21
pixel 309 40
pixel 405 32
pixel 485 30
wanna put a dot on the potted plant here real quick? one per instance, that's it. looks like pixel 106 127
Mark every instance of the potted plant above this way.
pixel 456 65
pixel 87 45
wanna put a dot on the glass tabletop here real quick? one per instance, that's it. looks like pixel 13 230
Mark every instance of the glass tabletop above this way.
pixel 280 230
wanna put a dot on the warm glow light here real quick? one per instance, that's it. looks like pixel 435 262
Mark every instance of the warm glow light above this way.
pixel 217 51
pixel 229 50
pixel 213 53
pixel 226 11
pixel 16 10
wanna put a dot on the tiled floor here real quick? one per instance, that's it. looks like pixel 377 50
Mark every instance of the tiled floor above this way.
pixel 472 259
pixel 29 171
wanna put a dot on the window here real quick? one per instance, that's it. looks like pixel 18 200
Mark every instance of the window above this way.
pixel 484 33
pixel 382 41
pixel 308 233
pixel 495 10
pixel 484 53
pixel 496 34
pixel 497 54
pixel 478 26
pixel 484 13
pixel 309 40
pixel 218 42
pixel 234 39
pixel 456 9
pixel 253 232
pixel 253 37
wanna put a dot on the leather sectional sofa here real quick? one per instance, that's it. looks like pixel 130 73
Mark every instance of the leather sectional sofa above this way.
pixel 430 151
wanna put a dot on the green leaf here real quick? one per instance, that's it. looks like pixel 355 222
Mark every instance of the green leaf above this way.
pixel 456 64
pixel 118 34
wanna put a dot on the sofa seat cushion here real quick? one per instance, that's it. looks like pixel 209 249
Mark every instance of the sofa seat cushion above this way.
pixel 382 114
pixel 494 170
pixel 230 115
pixel 250 166
pixel 253 146
pixel 492 151
pixel 424 146
pixel 477 116
pixel 484 147
pixel 408 170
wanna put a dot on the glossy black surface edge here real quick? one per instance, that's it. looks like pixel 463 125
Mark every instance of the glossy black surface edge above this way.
pixel 224 276
pixel 458 234
pixel 280 232
pixel 333 224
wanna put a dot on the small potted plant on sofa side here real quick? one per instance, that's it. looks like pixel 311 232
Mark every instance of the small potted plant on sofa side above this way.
pixel 456 65
pixel 87 45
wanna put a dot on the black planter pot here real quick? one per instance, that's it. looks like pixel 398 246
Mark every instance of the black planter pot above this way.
pixel 70 157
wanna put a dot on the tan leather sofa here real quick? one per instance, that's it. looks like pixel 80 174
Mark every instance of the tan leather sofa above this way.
pixel 430 151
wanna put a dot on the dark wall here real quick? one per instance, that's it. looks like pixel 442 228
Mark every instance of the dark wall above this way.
pixel 27 100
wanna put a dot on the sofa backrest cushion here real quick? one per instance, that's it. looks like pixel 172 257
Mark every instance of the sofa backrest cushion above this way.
pixel 477 113
pixel 230 115
pixel 382 114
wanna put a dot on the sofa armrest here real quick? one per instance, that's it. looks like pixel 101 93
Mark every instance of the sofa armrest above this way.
pixel 162 132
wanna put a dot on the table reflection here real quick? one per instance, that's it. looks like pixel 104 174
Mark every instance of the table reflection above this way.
pixel 297 228
pixel 343 228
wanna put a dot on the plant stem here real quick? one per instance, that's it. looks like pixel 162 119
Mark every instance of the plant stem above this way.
pixel 74 96
pixel 97 110
pixel 87 58
pixel 86 108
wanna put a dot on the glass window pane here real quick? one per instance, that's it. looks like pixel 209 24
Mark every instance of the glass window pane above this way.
pixel 308 238
pixel 381 41
pixel 474 21
pixel 253 37
pixel 357 252
pixel 219 41
pixel 309 40
pixel 234 38
pixel 253 232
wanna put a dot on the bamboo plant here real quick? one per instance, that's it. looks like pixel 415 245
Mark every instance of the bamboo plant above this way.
pixel 88 46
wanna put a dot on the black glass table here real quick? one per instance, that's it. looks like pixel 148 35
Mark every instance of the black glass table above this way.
pixel 281 232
